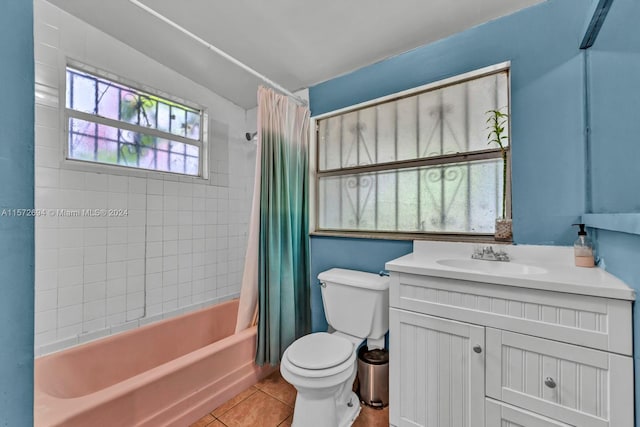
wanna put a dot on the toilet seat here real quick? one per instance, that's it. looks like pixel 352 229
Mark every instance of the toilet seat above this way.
pixel 341 359
pixel 319 351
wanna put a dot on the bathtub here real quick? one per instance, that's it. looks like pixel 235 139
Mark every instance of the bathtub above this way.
pixel 169 373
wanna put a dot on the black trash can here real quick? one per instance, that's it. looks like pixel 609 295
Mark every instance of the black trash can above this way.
pixel 373 377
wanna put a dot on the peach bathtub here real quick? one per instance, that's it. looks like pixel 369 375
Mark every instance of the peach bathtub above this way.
pixel 169 373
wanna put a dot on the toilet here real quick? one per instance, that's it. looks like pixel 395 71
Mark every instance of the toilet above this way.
pixel 322 366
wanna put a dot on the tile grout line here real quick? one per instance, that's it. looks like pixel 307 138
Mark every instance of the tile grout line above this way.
pixel 277 398
pixel 251 395
pixel 239 402
pixel 256 388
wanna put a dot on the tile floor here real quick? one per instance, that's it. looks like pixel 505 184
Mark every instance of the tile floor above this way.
pixel 270 404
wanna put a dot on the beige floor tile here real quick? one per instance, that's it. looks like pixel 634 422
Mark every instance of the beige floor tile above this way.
pixel 258 410
pixel 277 387
pixel 204 421
pixel 274 377
pixel 287 422
pixel 270 404
pixel 370 417
pixel 233 401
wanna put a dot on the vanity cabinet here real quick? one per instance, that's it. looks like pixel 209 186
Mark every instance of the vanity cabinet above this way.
pixel 471 354
pixel 438 376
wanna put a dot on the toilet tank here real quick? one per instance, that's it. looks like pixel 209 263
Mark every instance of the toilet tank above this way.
pixel 355 302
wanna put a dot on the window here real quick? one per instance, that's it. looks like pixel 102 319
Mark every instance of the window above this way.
pixel 414 163
pixel 114 124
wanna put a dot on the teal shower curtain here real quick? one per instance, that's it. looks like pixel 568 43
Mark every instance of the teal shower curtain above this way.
pixel 283 243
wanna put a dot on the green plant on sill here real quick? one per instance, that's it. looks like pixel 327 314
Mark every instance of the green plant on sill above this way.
pixel 497 125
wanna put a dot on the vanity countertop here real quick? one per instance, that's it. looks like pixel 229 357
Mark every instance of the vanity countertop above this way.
pixel 549 268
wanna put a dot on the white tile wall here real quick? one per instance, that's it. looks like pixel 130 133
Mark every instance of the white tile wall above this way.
pixel 182 244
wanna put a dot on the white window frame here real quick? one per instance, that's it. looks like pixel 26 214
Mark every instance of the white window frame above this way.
pixel 398 235
pixel 89 166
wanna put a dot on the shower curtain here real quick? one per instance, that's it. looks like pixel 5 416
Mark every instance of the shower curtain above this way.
pixel 276 276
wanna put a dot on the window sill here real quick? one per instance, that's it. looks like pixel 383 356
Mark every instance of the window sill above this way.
pixel 445 237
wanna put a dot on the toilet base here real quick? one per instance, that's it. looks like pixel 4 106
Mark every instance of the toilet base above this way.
pixel 325 397
pixel 347 415
pixel 325 412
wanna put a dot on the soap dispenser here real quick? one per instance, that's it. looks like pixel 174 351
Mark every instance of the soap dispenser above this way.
pixel 583 249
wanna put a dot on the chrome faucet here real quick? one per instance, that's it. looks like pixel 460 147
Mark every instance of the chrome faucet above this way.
pixel 488 254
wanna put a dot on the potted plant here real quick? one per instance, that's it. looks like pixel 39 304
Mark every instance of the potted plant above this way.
pixel 497 122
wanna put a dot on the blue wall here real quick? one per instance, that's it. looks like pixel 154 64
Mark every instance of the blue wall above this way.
pixel 614 62
pixel 614 83
pixel 16 234
pixel 547 105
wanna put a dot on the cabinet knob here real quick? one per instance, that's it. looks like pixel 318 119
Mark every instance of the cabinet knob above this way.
pixel 477 349
pixel 549 382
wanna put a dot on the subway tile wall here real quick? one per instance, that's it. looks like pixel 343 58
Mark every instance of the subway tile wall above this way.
pixel 181 243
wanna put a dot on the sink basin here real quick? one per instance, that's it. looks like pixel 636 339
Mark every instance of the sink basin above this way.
pixel 491 267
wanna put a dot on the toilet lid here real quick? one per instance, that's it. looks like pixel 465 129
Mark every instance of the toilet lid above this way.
pixel 319 351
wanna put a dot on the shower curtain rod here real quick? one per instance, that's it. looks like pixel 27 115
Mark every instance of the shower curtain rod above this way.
pixel 219 51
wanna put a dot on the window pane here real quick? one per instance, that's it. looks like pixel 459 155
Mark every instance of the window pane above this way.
pixel 83 144
pixel 330 142
pixel 193 125
pixel 96 95
pixel 83 96
pixel 178 120
pixel 106 144
pixel 164 117
pixel 448 120
pixel 192 165
pixel 192 150
pixel 407 129
pixel 101 143
pixel 148 111
pixel 129 108
pixel 488 93
pixel 386 132
pixel 454 198
pixel 109 101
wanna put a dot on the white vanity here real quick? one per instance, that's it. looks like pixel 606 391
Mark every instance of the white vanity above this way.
pixel 533 342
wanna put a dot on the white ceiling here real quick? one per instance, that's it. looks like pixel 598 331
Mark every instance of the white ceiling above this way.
pixel 296 43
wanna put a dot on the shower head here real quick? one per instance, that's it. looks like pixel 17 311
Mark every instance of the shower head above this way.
pixel 251 136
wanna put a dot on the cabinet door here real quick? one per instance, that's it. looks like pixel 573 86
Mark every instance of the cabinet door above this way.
pixel 576 385
pixel 502 415
pixel 436 371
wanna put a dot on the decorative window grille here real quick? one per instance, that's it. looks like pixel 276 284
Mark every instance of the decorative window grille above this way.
pixel 114 124
pixel 417 163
